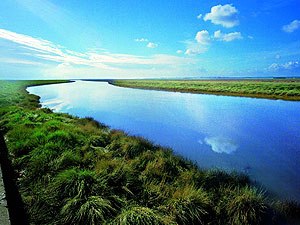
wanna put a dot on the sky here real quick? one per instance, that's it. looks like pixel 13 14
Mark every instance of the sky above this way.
pixel 54 39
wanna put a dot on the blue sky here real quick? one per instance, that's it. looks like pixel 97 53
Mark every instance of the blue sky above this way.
pixel 43 39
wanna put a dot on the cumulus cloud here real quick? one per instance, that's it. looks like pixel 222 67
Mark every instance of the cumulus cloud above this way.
pixel 179 51
pixel 221 145
pixel 202 37
pixel 199 16
pixel 291 27
pixel 227 37
pixel 225 15
pixel 199 45
pixel 152 45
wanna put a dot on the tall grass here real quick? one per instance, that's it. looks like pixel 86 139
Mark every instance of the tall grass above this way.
pixel 78 171
pixel 191 206
pixel 139 216
pixel 91 210
pixel 288 89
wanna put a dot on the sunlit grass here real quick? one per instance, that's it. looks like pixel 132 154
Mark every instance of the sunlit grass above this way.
pixel 78 171
pixel 288 89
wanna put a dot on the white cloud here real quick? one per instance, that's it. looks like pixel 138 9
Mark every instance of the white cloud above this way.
pixel 274 67
pixel 19 61
pixel 291 65
pixel 203 41
pixel 34 44
pixel 291 27
pixel 141 40
pixel 191 51
pixel 202 37
pixel 227 37
pixel 225 15
pixel 179 51
pixel 221 145
pixel 152 45
pixel 194 48
pixel 200 45
pixel 43 53
pixel 199 16
pixel 149 45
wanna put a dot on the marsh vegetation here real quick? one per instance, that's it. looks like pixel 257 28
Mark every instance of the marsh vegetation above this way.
pixel 73 170
pixel 287 89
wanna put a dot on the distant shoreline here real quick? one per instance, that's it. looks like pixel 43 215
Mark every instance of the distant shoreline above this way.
pixel 276 89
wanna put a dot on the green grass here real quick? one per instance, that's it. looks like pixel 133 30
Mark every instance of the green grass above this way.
pixel 77 171
pixel 286 89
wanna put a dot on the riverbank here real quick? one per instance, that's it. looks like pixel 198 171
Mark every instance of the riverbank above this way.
pixel 78 171
pixel 285 89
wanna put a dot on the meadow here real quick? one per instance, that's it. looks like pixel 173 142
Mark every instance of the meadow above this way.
pixel 286 89
pixel 72 170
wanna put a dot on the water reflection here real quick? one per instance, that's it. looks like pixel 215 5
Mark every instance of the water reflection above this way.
pixel 221 144
pixel 231 133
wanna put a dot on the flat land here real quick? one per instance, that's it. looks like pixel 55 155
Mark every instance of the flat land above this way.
pixel 72 170
pixel 286 89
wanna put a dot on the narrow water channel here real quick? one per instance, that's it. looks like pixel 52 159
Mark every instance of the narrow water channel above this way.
pixel 257 136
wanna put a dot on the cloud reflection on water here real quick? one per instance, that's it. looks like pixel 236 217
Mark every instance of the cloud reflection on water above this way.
pixel 221 144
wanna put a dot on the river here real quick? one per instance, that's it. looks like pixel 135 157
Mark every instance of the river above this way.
pixel 259 137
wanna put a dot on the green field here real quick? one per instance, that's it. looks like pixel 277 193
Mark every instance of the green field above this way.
pixel 286 89
pixel 73 170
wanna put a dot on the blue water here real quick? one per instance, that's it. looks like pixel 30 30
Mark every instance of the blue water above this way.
pixel 257 136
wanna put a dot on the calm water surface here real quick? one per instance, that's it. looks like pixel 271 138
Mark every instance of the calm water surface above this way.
pixel 257 136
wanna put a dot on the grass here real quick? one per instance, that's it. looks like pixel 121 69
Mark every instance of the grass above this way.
pixel 73 170
pixel 286 89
